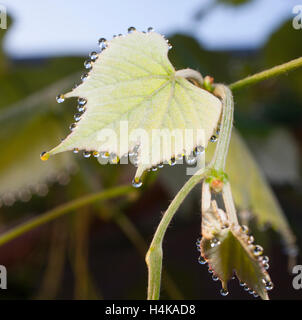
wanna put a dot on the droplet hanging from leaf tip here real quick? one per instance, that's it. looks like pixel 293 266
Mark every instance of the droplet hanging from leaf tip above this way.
pixel 44 156
pixel 60 98
pixel 136 183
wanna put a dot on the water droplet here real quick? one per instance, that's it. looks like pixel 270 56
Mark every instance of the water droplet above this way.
pixel 160 165
pixel 217 131
pixel 244 229
pixel 199 150
pixel 191 159
pixel 44 156
pixel 255 295
pixel 169 44
pixel 82 101
pixel 81 108
pixel 86 154
pixel 105 155
pixel 213 138
pixel 251 291
pixel 154 169
pixel 172 162
pixel 95 154
pixel 201 260
pixel 215 278
pixel 77 116
pixel 114 159
pixel 266 266
pixel 179 157
pixel 246 288
pixel 102 43
pixel 198 244
pixel 263 259
pixel 251 240
pixel 93 56
pixel 258 250
pixel 224 292
pixel 214 243
pixel 76 150
pixel 242 284
pixel 88 64
pixel 150 29
pixel 84 76
pixel 268 284
pixel 136 183
pixel 210 271
pixel 198 241
pixel 131 30
pixel 72 126
pixel 60 98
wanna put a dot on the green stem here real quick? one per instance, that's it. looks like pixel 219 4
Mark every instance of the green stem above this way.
pixel 61 210
pixel 155 253
pixel 229 204
pixel 266 74
pixel 221 152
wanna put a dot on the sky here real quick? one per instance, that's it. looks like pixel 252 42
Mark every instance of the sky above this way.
pixel 72 27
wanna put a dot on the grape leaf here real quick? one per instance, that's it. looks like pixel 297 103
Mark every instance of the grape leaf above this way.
pixel 133 80
pixel 228 250
pixel 252 192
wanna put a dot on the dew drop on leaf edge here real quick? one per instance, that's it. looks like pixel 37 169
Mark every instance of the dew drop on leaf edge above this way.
pixel 224 292
pixel 136 183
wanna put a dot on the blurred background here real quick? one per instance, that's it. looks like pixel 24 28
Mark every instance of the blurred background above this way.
pixel 97 251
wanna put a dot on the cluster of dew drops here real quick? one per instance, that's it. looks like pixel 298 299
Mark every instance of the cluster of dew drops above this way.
pixel 133 155
pixel 258 253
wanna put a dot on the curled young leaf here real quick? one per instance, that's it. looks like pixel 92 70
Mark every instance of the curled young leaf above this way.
pixel 229 250
pixel 133 83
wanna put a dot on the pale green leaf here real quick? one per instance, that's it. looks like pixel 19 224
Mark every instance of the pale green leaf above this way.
pixel 133 80
pixel 229 251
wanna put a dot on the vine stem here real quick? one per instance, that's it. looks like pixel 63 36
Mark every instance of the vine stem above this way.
pixel 155 253
pixel 269 73
pixel 221 152
pixel 61 210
